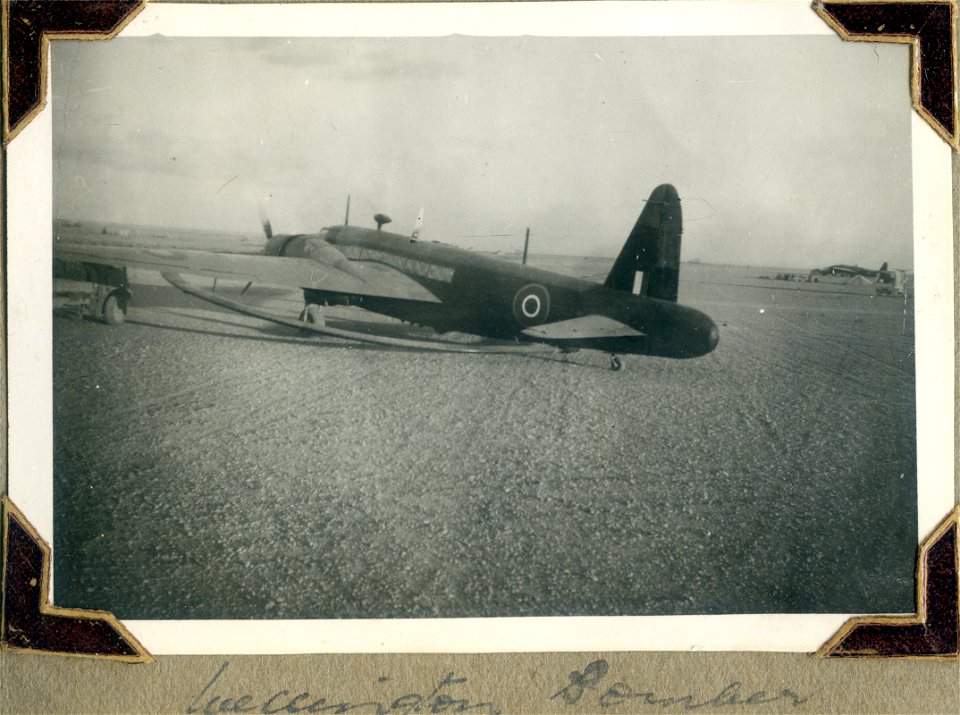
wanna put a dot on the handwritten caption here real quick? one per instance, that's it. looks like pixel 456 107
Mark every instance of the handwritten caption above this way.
pixel 587 686
pixel 209 701
pixel 589 682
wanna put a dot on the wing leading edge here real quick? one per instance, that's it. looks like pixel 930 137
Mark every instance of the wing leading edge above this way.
pixel 363 279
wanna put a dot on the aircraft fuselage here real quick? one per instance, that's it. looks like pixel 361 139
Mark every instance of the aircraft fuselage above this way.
pixel 490 297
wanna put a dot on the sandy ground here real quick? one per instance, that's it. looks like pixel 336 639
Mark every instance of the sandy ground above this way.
pixel 211 465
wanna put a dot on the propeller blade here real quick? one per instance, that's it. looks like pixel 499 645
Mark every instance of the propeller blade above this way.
pixel 264 221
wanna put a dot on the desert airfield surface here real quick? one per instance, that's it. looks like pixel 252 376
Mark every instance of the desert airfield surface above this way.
pixel 211 465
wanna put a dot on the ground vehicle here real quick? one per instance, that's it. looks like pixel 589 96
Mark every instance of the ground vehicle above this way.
pixel 94 290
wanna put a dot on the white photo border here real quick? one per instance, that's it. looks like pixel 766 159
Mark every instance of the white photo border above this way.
pixel 29 347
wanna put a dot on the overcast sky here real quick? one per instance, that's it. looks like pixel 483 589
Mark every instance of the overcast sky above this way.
pixel 790 152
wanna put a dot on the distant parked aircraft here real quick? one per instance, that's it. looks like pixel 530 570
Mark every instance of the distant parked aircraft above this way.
pixel 887 282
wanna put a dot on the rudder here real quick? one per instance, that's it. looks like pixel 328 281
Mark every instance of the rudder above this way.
pixel 652 249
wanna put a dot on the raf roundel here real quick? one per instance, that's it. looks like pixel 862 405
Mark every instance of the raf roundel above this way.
pixel 531 305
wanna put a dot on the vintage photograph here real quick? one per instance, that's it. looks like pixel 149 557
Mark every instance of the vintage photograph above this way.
pixel 464 326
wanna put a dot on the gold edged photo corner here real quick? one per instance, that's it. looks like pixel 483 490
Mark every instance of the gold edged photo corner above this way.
pixel 30 623
pixel 27 27
pixel 932 632
pixel 929 27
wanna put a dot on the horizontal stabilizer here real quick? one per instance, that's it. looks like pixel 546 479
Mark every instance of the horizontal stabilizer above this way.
pixel 587 327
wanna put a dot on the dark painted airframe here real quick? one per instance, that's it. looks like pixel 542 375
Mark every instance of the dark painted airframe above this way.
pixel 447 288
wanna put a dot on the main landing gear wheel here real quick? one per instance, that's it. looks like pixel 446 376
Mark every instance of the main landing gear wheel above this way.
pixel 114 309
pixel 616 364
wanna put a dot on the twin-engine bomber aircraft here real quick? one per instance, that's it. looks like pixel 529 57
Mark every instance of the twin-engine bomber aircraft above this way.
pixel 635 310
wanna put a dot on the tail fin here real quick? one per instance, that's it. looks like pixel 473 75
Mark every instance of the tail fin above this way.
pixel 652 249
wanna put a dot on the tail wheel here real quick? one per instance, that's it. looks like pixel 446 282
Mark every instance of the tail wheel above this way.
pixel 616 364
pixel 115 308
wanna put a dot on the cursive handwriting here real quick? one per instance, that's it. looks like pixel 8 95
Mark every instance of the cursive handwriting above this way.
pixel 209 702
pixel 618 693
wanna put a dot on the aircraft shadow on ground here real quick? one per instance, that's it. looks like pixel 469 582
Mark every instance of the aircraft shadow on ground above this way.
pixel 360 327
pixel 282 335
pixel 278 337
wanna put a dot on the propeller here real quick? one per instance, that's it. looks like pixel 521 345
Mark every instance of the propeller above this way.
pixel 264 221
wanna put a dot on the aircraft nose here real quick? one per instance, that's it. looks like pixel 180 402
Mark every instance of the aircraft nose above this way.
pixel 713 337
pixel 694 334
pixel 706 335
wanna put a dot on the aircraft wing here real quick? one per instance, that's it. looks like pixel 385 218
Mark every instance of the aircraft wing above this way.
pixel 585 327
pixel 365 337
pixel 363 278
